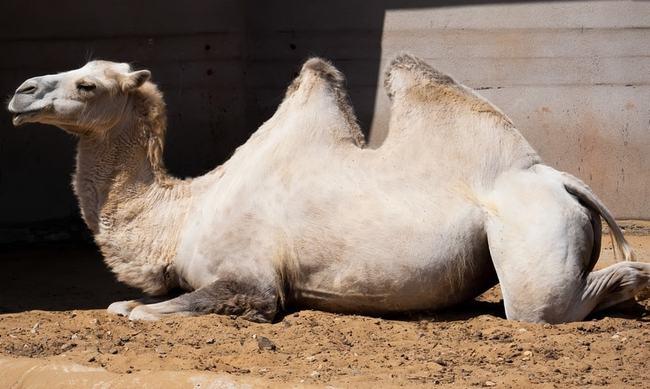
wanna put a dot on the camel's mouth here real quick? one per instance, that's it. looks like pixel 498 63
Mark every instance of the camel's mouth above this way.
pixel 22 117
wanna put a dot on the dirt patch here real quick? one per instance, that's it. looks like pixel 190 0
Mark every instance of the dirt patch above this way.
pixel 472 345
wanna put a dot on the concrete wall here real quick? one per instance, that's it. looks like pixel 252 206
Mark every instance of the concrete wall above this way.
pixel 574 76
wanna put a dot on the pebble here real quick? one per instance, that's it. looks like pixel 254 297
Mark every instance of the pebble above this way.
pixel 264 343
pixel 35 328
pixel 68 346
pixel 314 374
pixel 210 341
pixel 489 383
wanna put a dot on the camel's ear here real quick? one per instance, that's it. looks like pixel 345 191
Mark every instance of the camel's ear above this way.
pixel 134 80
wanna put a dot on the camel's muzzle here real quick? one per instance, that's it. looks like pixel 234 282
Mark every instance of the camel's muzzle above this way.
pixel 27 102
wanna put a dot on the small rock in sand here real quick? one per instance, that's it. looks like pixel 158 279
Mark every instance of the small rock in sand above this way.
pixel 68 346
pixel 264 343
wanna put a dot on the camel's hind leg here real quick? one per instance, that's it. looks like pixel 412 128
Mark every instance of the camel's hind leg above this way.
pixel 615 284
pixel 544 245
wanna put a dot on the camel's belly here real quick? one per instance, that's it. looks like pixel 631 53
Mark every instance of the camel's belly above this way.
pixel 428 291
pixel 383 284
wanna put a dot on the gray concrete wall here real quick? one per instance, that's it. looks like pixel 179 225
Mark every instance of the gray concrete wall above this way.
pixel 574 76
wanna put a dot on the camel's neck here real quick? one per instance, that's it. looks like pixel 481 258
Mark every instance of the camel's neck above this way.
pixel 132 206
pixel 111 173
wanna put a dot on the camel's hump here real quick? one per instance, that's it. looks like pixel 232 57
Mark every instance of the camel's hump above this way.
pixel 408 73
pixel 319 70
pixel 322 69
pixel 420 70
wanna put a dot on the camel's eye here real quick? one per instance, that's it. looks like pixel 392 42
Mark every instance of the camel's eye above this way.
pixel 86 86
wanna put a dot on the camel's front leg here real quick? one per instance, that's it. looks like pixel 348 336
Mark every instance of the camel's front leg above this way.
pixel 226 297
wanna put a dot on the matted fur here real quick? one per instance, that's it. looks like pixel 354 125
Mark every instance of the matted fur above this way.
pixel 151 117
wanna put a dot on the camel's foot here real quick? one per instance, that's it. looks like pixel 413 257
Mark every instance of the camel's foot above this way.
pixel 124 308
pixel 153 312
pixel 616 283
pixel 223 297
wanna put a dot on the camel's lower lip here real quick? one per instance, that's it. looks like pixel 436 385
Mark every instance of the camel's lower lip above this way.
pixel 19 117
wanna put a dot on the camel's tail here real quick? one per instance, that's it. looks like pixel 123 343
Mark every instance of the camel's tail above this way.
pixel 579 189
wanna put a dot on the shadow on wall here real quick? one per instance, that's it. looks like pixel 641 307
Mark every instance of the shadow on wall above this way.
pixel 223 66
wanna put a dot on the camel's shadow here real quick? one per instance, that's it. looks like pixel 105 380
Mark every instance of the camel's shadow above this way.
pixel 67 278
pixel 57 279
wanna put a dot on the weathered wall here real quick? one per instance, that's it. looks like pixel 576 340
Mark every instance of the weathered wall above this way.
pixel 574 76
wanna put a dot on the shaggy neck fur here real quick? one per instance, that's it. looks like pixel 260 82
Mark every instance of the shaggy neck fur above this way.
pixel 127 199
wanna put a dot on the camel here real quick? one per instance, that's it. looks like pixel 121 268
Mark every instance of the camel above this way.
pixel 303 215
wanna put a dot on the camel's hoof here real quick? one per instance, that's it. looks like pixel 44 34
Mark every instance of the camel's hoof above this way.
pixel 121 308
pixel 143 313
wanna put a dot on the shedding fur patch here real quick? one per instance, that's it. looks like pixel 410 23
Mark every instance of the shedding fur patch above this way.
pixel 287 270
pixel 151 117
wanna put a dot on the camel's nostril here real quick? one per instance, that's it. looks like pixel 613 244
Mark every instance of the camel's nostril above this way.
pixel 26 89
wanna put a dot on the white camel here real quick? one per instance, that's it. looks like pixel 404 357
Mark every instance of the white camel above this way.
pixel 303 215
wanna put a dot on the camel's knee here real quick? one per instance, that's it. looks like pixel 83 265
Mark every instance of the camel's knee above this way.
pixel 574 301
pixel 617 283
pixel 235 297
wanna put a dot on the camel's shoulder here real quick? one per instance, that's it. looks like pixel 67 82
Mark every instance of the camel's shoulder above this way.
pixel 409 76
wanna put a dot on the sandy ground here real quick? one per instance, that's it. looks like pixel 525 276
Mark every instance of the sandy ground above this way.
pixel 51 305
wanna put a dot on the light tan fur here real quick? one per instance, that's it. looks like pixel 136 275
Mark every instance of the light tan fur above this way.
pixel 303 215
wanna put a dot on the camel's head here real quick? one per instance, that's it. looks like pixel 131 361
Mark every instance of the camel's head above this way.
pixel 87 100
